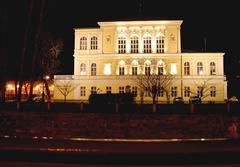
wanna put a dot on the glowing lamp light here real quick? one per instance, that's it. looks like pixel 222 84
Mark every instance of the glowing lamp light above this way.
pixel 47 77
pixel 37 87
pixel 10 87
pixel 173 69
pixel 107 69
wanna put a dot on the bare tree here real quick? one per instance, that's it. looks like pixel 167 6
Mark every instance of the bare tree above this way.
pixel 152 84
pixel 203 87
pixel 49 51
pixel 65 87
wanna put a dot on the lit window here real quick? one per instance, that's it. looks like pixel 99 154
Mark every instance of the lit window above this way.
pixel 147 44
pixel 213 91
pixel 160 44
pixel 82 69
pixel 109 89
pixel 93 69
pixel 134 91
pixel 107 69
pixel 134 44
pixel 82 91
pixel 121 89
pixel 121 45
pixel 173 69
pixel 186 68
pixel 83 43
pixel 199 68
pixel 186 91
pixel 93 90
pixel 174 91
pixel 94 43
pixel 212 68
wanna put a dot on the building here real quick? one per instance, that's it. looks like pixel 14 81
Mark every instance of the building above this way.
pixel 107 59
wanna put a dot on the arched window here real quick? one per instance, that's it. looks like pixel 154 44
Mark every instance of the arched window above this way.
pixel 160 44
pixel 213 91
pixel 83 43
pixel 186 68
pixel 121 44
pixel 93 69
pixel 94 43
pixel 212 68
pixel 121 68
pixel 160 67
pixel 134 67
pixel 82 69
pixel 199 91
pixel 147 68
pixel 134 44
pixel 199 68
pixel 147 44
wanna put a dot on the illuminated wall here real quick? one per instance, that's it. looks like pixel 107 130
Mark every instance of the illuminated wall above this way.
pixel 108 57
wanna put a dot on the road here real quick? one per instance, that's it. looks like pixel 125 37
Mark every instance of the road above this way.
pixel 119 152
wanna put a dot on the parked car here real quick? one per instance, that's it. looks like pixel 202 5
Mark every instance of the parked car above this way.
pixel 233 99
pixel 195 100
pixel 39 98
pixel 178 100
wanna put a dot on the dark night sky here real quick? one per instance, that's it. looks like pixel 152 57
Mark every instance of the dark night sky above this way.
pixel 217 21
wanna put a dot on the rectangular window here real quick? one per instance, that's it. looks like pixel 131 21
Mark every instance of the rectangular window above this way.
pixel 121 45
pixel 187 91
pixel 121 70
pixel 134 70
pixel 134 45
pixel 134 91
pixel 160 44
pixel 174 91
pixel 213 91
pixel 121 89
pixel 93 90
pixel 94 43
pixel 82 91
pixel 147 45
pixel 109 89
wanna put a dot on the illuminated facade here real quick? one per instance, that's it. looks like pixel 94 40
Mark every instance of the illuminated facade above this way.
pixel 108 58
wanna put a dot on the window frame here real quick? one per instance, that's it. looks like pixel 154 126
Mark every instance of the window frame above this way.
pixel 83 43
pixel 93 69
pixel 147 44
pixel 160 44
pixel 186 68
pixel 94 43
pixel 121 45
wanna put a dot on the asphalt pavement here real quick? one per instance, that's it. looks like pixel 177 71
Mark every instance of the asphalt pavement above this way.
pixel 126 152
